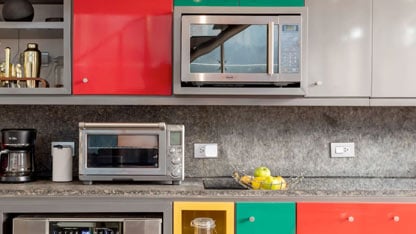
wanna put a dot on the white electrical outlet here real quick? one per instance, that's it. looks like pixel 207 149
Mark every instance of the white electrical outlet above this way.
pixel 205 150
pixel 63 143
pixel 343 150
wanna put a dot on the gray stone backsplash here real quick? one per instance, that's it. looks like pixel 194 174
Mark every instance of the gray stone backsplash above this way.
pixel 291 141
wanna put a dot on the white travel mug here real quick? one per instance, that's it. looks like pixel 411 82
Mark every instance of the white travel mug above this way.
pixel 61 163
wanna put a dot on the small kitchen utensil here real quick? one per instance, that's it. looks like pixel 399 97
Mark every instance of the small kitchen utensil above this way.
pixel 203 225
pixel 61 163
pixel 17 155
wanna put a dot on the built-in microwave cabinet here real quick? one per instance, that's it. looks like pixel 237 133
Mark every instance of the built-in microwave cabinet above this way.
pixel 275 3
pixel 340 47
pixel 50 29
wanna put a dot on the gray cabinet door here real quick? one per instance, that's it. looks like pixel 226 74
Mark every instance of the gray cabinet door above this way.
pixel 394 60
pixel 339 48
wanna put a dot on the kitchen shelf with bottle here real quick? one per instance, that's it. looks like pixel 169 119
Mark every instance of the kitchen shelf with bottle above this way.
pixel 51 31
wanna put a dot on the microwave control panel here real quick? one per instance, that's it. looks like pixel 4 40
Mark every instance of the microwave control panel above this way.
pixel 290 48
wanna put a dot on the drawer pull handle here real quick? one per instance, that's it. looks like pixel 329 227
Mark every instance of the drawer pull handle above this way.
pixel 351 219
pixel 396 218
pixel 251 219
pixel 85 80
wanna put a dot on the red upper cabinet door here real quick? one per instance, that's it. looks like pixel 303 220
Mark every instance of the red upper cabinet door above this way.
pixel 331 218
pixel 122 47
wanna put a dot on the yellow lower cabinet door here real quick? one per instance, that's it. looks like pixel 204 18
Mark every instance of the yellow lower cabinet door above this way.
pixel 221 212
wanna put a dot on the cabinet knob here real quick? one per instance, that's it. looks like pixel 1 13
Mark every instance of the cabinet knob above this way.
pixel 318 83
pixel 351 219
pixel 85 80
pixel 251 219
pixel 396 218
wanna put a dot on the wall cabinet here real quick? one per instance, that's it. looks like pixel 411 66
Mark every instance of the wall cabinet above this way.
pixel 339 48
pixel 276 3
pixel 394 49
pixel 123 47
pixel 51 30
pixel 185 212
pixel 265 217
pixel 357 218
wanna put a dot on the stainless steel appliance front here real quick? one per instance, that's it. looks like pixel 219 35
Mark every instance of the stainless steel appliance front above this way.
pixel 239 51
pixel 56 225
pixel 131 152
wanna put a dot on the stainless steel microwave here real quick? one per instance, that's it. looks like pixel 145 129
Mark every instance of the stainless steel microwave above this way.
pixel 239 50
pixel 131 152
pixel 68 225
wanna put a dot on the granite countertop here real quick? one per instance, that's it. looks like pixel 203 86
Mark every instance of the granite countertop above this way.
pixel 400 189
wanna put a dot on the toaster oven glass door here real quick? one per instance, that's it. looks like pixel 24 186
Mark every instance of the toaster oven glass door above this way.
pixel 123 151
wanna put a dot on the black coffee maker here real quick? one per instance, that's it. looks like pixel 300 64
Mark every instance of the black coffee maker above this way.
pixel 17 155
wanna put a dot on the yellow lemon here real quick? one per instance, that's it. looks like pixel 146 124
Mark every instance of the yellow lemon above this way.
pixel 256 182
pixel 278 183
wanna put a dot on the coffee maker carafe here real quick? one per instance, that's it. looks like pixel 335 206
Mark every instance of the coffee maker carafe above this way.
pixel 17 155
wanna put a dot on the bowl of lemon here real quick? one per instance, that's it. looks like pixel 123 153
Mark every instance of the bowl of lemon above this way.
pixel 262 179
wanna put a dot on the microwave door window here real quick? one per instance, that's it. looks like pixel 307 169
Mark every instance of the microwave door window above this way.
pixel 205 54
pixel 246 50
pixel 123 151
pixel 228 48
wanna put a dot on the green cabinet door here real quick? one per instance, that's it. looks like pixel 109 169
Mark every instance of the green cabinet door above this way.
pixel 265 217
pixel 206 2
pixel 277 3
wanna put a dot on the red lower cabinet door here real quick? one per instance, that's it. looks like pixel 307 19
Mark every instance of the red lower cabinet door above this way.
pixel 332 218
pixel 122 47
pixel 394 218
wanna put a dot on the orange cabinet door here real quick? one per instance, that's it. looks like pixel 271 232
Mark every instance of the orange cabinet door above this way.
pixel 331 218
pixel 392 218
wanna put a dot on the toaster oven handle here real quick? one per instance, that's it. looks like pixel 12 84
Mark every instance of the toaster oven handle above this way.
pixel 161 126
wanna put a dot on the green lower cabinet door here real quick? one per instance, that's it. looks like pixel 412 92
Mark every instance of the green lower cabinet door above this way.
pixel 265 218
pixel 277 3
pixel 206 2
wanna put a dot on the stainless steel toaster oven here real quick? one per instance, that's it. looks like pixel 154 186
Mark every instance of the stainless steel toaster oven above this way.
pixel 131 152
pixel 60 225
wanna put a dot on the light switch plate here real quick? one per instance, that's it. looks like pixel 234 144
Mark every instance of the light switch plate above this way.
pixel 343 150
pixel 206 150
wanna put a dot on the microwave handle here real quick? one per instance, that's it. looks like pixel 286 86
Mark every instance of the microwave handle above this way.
pixel 161 126
pixel 270 53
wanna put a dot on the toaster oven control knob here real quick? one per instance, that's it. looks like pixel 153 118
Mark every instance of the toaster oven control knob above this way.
pixel 176 172
pixel 176 159
pixel 172 150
